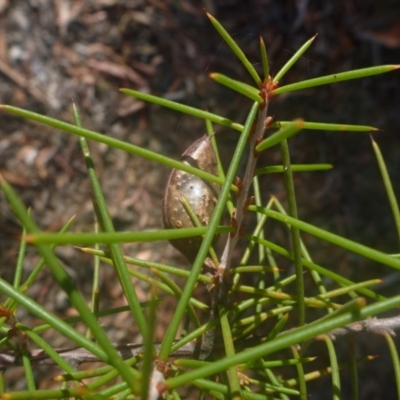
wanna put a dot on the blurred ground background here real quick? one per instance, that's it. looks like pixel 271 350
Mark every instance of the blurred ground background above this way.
pixel 53 52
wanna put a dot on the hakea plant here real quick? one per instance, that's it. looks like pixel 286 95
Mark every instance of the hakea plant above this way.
pixel 243 366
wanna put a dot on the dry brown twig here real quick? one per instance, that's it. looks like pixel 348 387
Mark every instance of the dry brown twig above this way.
pixel 76 356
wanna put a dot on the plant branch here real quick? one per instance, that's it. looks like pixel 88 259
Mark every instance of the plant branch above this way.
pixel 78 355
pixel 244 192
pixel 371 325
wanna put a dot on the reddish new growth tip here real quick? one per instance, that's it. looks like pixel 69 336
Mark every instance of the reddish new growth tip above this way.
pixel 268 122
pixel 162 388
pixel 5 312
pixel 247 203
pixel 239 185
pixel 161 365
pixel 242 230
pixel 266 89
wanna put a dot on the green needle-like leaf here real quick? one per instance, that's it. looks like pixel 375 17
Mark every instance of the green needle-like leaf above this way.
pixel 295 233
pixel 315 267
pixel 277 137
pixel 29 377
pixel 331 237
pixel 107 352
pixel 295 168
pixel 20 262
pixel 232 372
pixel 236 49
pixel 195 112
pixel 395 359
pixel 335 373
pixel 388 186
pixel 243 88
pixel 300 374
pixel 47 348
pixel 264 58
pixel 293 59
pixel 119 237
pixel 327 127
pixel 106 223
pixel 291 337
pixel 118 144
pixel 339 77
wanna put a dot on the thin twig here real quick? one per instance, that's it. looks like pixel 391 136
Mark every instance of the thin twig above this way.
pixel 372 325
pixel 77 355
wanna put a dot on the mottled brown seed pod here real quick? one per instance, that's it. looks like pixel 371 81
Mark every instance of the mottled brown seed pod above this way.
pixel 198 193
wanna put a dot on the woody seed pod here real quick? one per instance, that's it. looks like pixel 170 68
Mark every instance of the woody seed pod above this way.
pixel 200 195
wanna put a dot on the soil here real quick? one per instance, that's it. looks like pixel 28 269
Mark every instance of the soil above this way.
pixel 83 51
